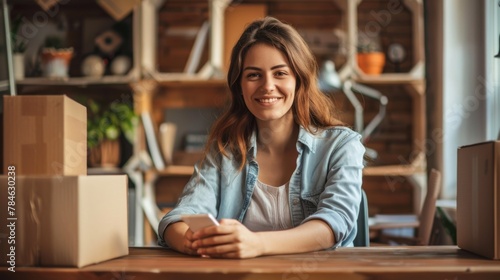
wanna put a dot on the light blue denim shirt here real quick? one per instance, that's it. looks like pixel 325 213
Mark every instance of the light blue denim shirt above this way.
pixel 325 185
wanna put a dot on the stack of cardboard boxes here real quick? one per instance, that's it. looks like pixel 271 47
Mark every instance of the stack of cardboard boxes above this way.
pixel 52 213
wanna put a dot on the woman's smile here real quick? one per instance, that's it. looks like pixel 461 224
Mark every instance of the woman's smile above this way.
pixel 268 100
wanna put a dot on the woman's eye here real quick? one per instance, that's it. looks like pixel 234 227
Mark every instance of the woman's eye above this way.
pixel 280 73
pixel 253 75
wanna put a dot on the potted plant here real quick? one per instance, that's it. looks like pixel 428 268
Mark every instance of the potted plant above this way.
pixel 105 125
pixel 370 58
pixel 55 57
pixel 18 48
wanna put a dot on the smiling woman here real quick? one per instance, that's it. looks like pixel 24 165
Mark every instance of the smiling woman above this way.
pixel 279 168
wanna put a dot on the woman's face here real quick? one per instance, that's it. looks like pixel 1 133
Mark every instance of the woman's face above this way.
pixel 267 83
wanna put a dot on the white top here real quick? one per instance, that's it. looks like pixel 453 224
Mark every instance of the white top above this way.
pixel 269 209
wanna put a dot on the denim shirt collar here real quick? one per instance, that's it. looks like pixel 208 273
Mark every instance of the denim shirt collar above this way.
pixel 305 138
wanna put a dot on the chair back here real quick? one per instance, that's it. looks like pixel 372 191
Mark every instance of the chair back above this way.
pixel 426 218
pixel 362 238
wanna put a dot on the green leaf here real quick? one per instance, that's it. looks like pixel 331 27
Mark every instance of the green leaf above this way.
pixel 109 122
pixel 93 106
pixel 112 133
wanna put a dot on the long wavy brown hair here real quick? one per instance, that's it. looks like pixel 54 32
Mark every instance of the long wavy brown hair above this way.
pixel 312 109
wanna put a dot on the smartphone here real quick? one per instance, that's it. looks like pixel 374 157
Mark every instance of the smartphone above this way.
pixel 199 221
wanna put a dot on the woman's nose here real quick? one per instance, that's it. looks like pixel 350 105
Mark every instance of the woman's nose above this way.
pixel 268 84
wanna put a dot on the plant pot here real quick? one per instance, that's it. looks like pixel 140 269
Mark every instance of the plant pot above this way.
pixel 55 63
pixel 371 63
pixel 18 62
pixel 105 154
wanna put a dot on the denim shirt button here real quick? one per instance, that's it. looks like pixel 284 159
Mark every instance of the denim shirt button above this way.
pixel 295 201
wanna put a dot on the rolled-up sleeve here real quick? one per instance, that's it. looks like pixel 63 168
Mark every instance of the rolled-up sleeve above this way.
pixel 338 204
pixel 200 195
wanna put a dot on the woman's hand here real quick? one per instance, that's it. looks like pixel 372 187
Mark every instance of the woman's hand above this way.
pixel 179 237
pixel 230 239
pixel 188 243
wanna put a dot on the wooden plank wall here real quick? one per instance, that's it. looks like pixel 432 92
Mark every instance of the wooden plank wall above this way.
pixel 392 139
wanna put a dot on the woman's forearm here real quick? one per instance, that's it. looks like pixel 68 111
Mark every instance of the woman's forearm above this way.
pixel 311 236
pixel 174 236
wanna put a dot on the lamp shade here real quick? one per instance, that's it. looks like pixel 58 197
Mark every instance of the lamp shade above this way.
pixel 328 78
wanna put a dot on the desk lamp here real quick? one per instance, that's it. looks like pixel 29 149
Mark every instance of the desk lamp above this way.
pixel 329 80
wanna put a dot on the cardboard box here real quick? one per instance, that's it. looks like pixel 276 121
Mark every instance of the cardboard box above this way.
pixel 45 135
pixel 63 220
pixel 478 199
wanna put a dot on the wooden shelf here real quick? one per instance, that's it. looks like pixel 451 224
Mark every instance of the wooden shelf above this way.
pixel 392 170
pixel 389 79
pixel 389 170
pixel 192 83
pixel 105 171
pixel 175 170
pixel 416 166
pixel 76 81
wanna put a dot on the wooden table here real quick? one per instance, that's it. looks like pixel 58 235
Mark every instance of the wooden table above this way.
pixel 432 262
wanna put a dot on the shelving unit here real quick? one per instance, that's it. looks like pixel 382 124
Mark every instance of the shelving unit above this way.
pixel 79 20
pixel 392 21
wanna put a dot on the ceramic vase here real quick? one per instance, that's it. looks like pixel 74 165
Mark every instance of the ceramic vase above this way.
pixel 18 62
